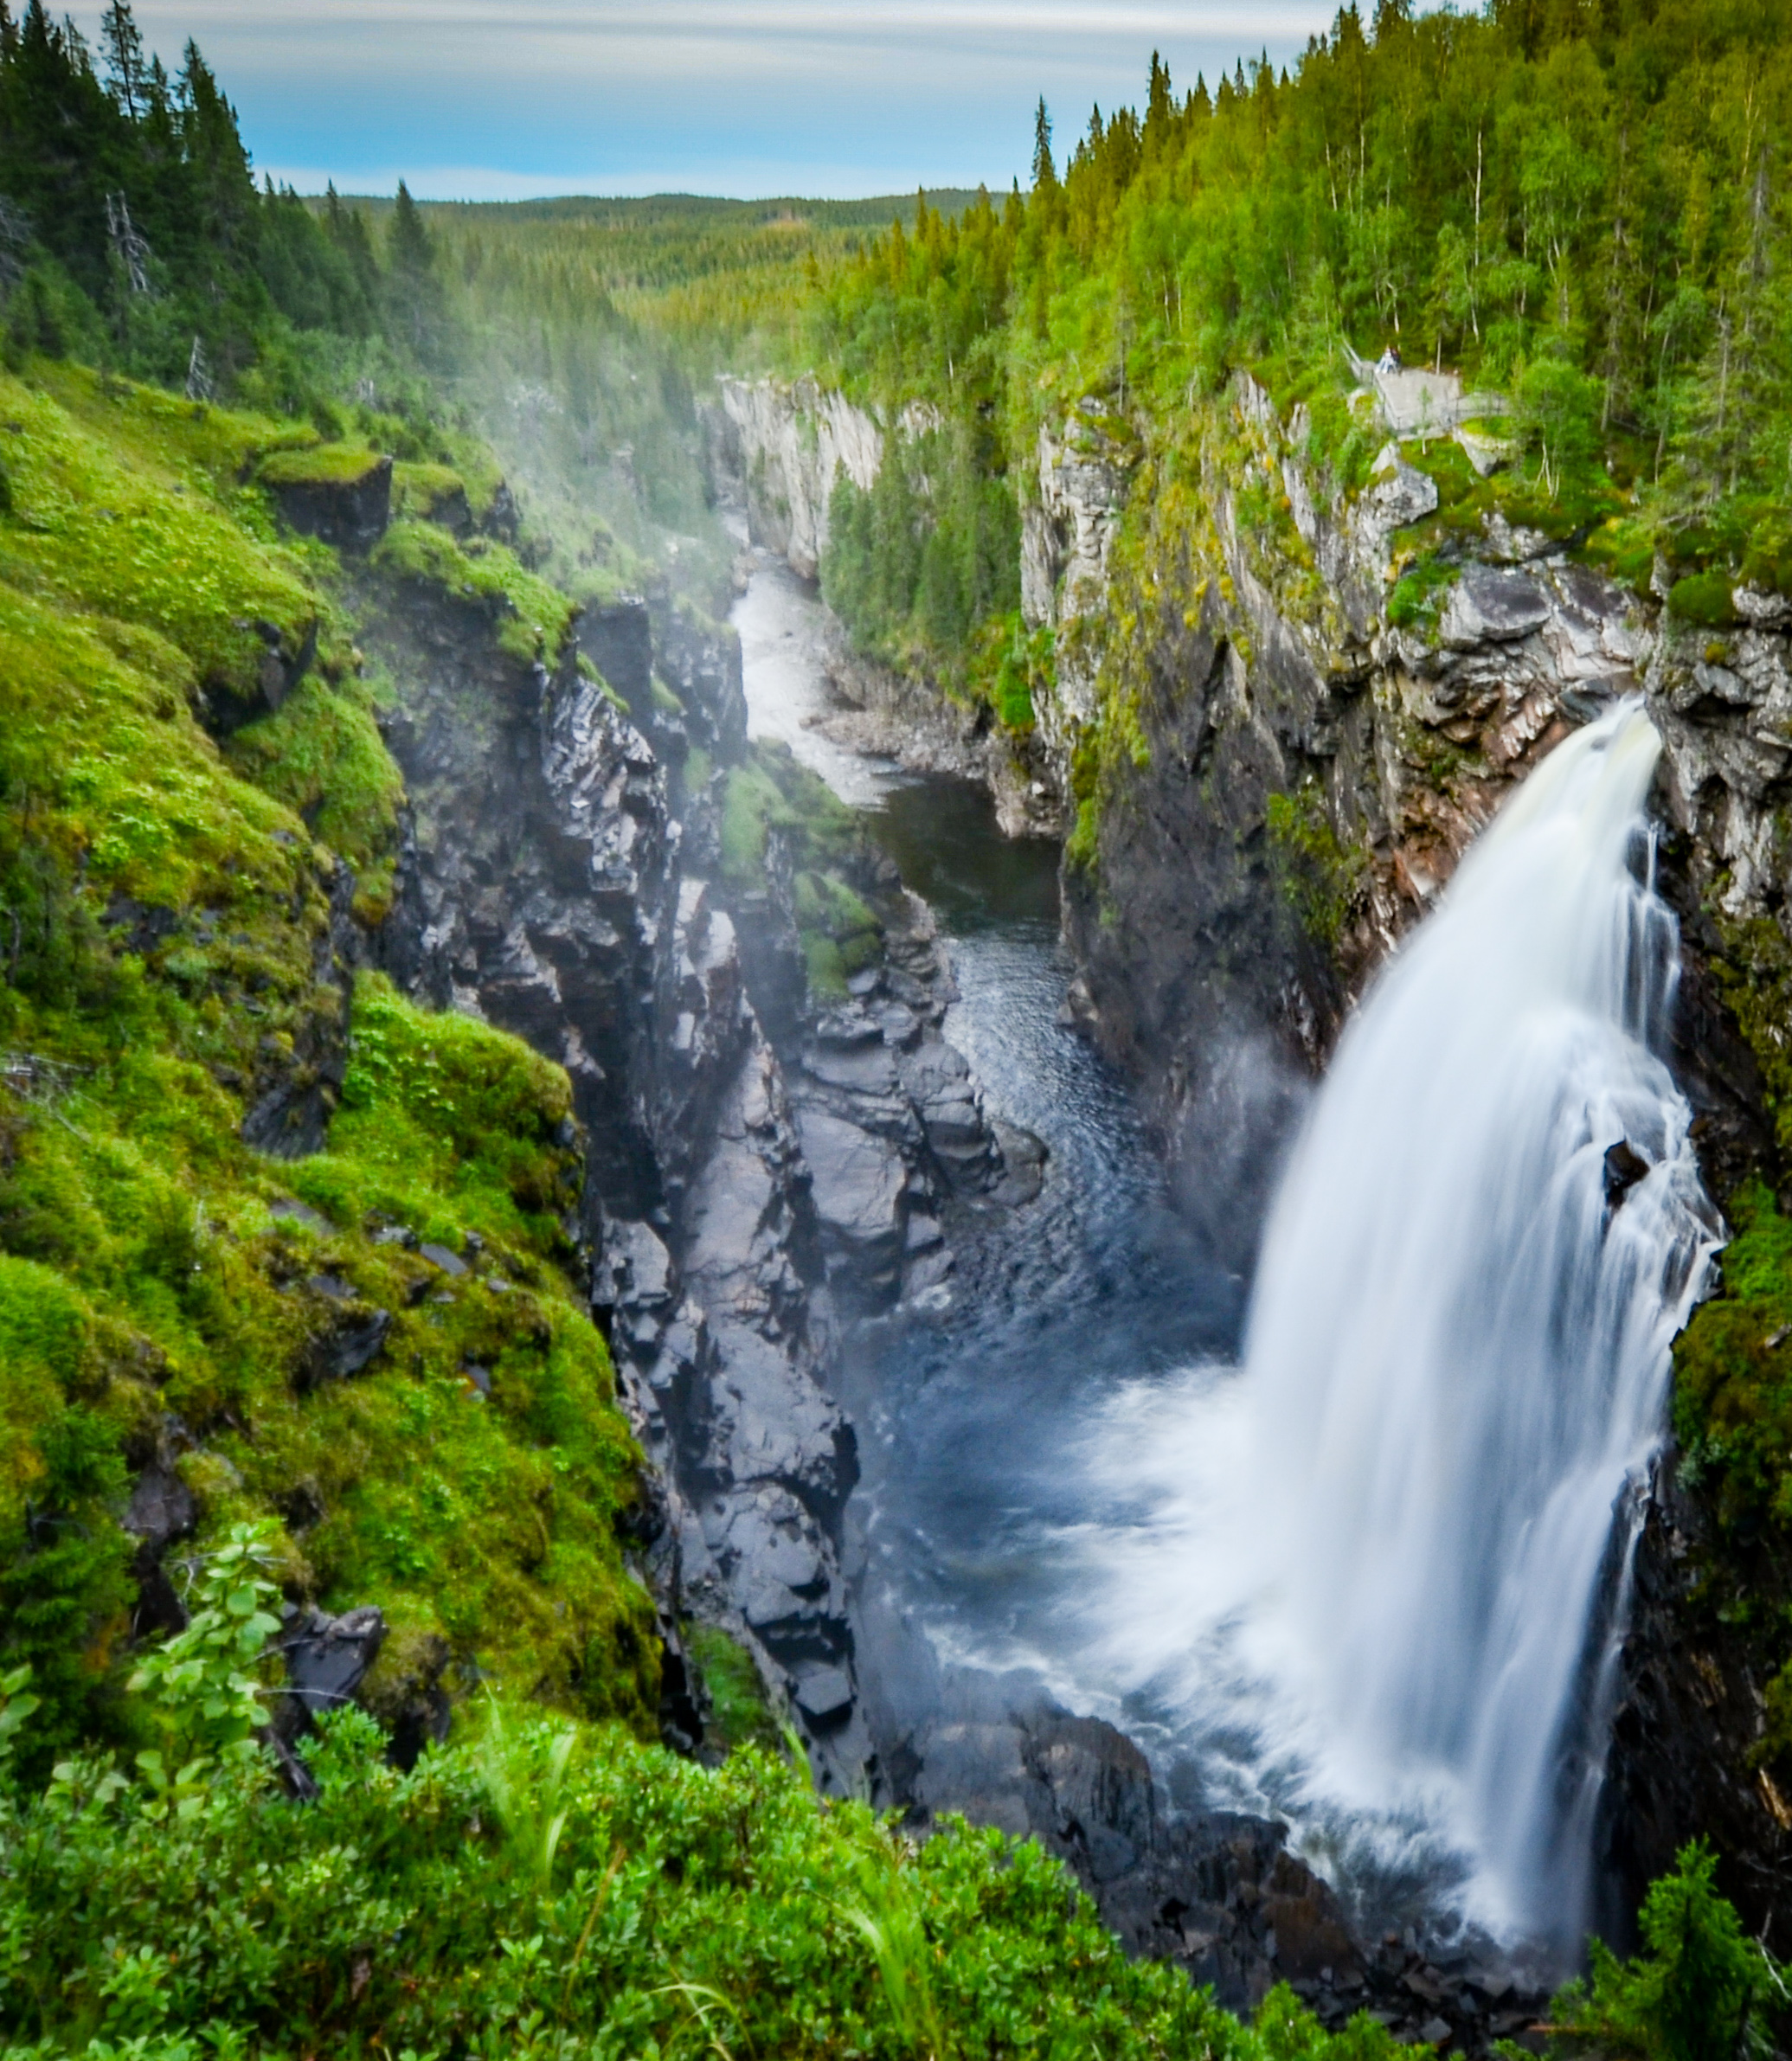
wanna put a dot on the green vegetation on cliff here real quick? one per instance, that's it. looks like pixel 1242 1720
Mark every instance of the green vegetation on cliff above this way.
pixel 1580 214
pixel 172 984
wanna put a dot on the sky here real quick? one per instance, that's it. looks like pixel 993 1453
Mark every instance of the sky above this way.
pixel 476 99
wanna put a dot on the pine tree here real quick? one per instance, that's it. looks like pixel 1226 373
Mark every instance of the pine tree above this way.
pixel 413 286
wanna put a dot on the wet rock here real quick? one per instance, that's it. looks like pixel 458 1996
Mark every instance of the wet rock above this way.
pixel 444 1261
pixel 1624 1167
pixel 937 1080
pixel 618 638
pixel 1490 606
pixel 327 1659
pixel 348 1347
pixel 859 1184
pixel 824 1695
pixel 161 1509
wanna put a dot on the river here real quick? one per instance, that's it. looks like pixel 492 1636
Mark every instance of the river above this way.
pixel 973 1411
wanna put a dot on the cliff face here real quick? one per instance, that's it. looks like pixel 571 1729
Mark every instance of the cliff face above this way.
pixel 787 442
pixel 543 885
pixel 775 451
pixel 1275 780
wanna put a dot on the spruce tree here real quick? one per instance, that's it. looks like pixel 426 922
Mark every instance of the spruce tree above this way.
pixel 1044 171
pixel 127 71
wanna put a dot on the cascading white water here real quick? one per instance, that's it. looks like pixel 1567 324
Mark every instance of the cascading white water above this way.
pixel 1369 1569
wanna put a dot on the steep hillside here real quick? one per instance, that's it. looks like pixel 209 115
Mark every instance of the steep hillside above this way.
pixel 261 1264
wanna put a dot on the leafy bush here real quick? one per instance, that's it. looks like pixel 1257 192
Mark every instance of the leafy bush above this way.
pixel 552 1891
pixel 1703 598
pixel 204 1699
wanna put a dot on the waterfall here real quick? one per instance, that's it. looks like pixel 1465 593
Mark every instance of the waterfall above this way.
pixel 1382 1569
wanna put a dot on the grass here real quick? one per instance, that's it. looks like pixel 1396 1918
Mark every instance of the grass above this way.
pixel 1418 596
pixel 139 528
pixel 427 493
pixel 319 465
pixel 321 754
pixel 739 1714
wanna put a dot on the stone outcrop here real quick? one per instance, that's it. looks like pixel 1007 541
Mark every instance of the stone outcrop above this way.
pixel 347 505
pixel 543 887
pixel 786 442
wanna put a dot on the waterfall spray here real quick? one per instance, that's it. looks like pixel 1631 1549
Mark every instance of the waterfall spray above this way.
pixel 1382 1569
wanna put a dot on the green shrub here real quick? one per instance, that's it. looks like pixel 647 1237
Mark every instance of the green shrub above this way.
pixel 1702 1990
pixel 1417 594
pixel 545 1891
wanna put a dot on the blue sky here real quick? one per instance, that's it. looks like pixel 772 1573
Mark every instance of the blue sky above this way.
pixel 473 99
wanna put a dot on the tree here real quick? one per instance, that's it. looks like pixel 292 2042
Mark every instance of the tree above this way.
pixel 1044 171
pixel 127 69
pixel 414 285
pixel 1560 406
pixel 1698 1992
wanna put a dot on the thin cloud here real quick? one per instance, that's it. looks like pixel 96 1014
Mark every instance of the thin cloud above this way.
pixel 472 99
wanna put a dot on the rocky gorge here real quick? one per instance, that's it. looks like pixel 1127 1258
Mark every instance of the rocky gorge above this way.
pixel 1283 708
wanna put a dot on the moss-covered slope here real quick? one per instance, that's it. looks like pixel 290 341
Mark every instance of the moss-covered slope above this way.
pixel 222 1163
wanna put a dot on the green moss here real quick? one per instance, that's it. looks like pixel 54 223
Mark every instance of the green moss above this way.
pixel 425 493
pixel 1623 546
pixel 1703 597
pixel 751 804
pixel 135 530
pixel 1418 596
pixel 770 793
pixel 534 619
pixel 1444 461
pixel 319 465
pixel 323 755
pixel 1010 669
pixel 739 1713
pixel 1733 1374
pixel 213 448
pixel 826 966
pixel 1083 843
pixel 173 967
pixel 1320 878
pixel 825 903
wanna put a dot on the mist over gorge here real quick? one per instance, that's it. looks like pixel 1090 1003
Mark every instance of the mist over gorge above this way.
pixel 889 1090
